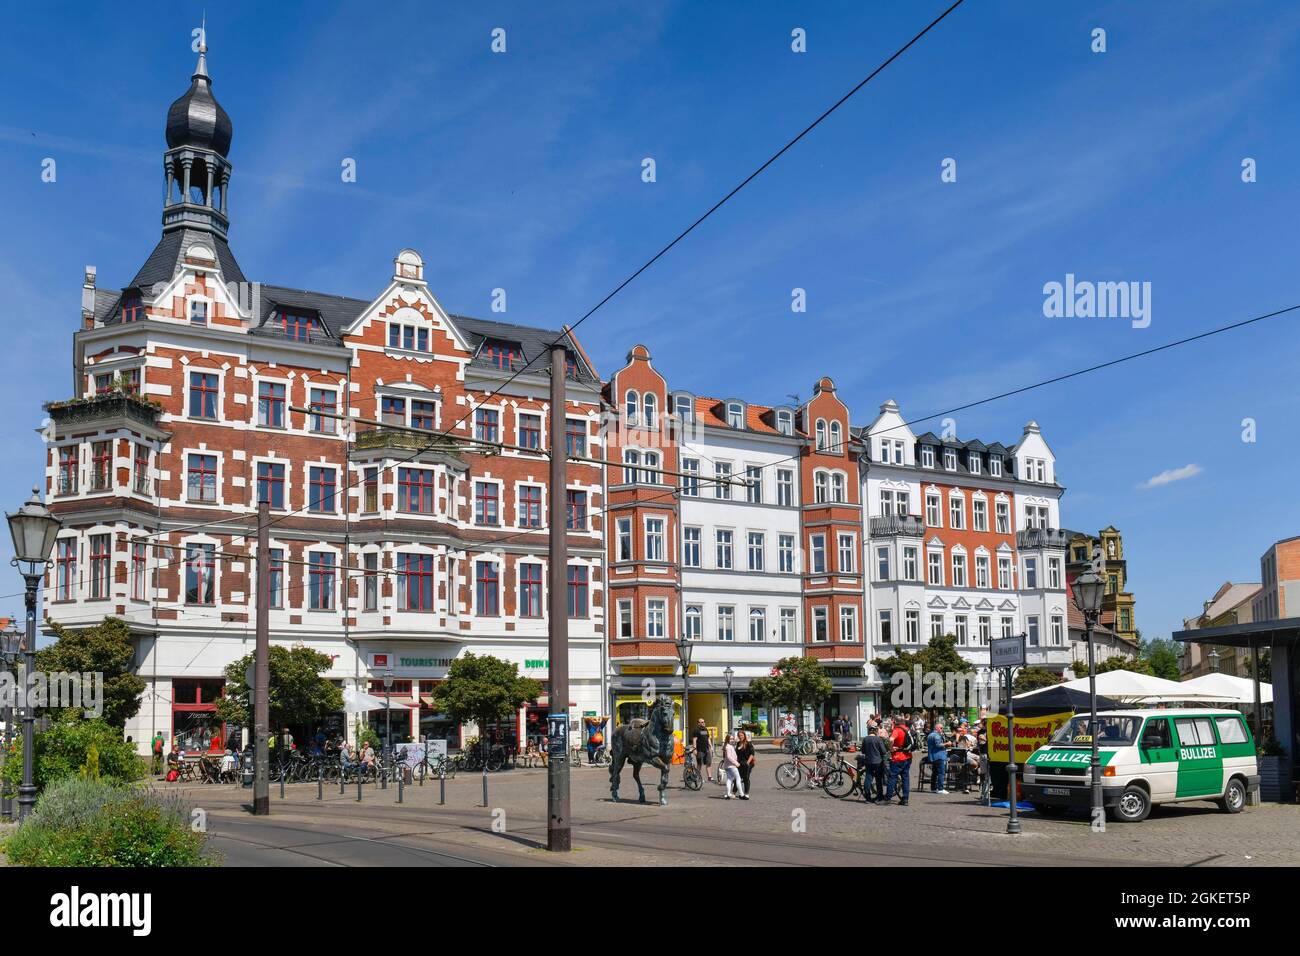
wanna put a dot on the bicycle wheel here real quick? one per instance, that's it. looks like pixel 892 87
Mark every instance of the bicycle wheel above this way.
pixel 839 783
pixel 789 775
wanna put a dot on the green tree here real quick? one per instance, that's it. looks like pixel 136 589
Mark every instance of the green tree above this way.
pixel 1162 655
pixel 483 689
pixel 1033 678
pixel 940 657
pixel 104 648
pixel 795 683
pixel 1117 663
pixel 298 693
pixel 64 750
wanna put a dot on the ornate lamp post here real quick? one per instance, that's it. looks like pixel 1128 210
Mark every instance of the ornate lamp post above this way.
pixel 1088 591
pixel 684 650
pixel 1214 659
pixel 728 674
pixel 34 530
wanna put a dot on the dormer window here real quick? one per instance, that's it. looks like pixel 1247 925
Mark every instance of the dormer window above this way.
pixel 995 466
pixel 412 338
pixel 950 459
pixel 299 326
pixel 684 408
pixel 735 415
pixel 973 462
pixel 927 456
pixel 198 312
pixel 570 366
pixel 505 356
pixel 785 423
pixel 132 308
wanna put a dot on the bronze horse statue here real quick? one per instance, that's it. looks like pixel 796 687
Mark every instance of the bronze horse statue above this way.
pixel 644 741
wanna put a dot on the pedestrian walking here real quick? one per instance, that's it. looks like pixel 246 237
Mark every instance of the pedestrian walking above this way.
pixel 745 754
pixel 936 746
pixel 703 748
pixel 731 767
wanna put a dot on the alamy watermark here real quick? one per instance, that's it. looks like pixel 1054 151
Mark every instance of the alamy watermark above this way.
pixel 1083 299
pixel 83 690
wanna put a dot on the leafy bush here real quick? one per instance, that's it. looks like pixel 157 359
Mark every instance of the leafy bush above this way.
pixel 63 751
pixel 74 801
pixel 79 822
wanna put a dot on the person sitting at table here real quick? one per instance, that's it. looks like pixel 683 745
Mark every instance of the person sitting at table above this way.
pixel 368 757
pixel 347 758
pixel 175 756
pixel 229 762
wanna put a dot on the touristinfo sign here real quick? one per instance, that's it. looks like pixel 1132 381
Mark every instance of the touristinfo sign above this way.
pixel 1007 651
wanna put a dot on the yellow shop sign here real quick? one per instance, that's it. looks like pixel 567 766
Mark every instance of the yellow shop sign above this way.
pixel 665 669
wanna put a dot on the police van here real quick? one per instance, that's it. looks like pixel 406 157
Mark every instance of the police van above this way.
pixel 1147 757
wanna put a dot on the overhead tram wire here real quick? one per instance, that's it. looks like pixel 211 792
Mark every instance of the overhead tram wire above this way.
pixel 703 480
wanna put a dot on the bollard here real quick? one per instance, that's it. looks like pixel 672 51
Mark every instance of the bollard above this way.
pixel 342 780
pixel 383 776
pixel 281 781
pixel 485 796
pixel 358 784
pixel 320 783
pixel 442 789
pixel 401 777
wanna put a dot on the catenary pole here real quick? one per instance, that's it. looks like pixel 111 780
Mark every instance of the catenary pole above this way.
pixel 558 835
pixel 262 667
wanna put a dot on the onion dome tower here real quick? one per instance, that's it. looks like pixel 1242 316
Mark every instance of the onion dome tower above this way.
pixel 198 173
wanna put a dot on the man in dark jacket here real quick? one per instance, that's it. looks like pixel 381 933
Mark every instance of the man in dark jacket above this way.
pixel 875 757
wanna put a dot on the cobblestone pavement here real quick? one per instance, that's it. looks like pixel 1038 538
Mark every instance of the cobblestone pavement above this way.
pixel 804 827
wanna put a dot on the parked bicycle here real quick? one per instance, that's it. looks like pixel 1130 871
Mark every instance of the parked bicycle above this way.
pixel 844 780
pixel 799 743
pixel 798 769
pixel 692 779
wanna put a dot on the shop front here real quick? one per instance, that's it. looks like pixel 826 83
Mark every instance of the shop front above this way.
pixel 851 697
pixel 195 725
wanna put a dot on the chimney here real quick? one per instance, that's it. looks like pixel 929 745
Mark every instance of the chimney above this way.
pixel 88 299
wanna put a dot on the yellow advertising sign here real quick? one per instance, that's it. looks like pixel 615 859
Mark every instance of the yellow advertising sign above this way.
pixel 665 669
pixel 1031 733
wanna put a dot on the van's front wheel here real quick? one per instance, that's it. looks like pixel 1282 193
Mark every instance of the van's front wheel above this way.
pixel 1133 806
pixel 1234 797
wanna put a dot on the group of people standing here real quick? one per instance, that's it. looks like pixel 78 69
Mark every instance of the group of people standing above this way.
pixel 736 764
pixel 887 748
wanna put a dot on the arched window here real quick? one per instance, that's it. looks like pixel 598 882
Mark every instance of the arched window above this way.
pixel 650 404
pixel 784 423
pixel 819 485
pixel 633 403
pixel 837 487
pixel 821 434
pixel 837 444
pixel 651 472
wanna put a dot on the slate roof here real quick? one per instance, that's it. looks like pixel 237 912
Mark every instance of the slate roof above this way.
pixel 165 260
pixel 535 344
pixel 334 311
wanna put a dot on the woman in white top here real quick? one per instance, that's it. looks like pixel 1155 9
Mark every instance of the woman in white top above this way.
pixel 731 767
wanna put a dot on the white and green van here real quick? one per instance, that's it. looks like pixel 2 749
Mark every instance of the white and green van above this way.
pixel 1147 757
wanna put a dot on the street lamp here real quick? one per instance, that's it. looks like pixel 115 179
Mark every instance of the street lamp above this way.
pixel 1088 590
pixel 684 650
pixel 1214 659
pixel 728 674
pixel 34 530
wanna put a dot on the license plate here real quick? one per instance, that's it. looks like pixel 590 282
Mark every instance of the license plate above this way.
pixel 1056 791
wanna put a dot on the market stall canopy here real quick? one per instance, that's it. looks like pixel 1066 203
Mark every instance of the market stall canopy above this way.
pixel 1059 698
pixel 1240 690
pixel 358 702
pixel 1134 688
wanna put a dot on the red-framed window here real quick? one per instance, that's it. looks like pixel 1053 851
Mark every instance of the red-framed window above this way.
pixel 575 437
pixel 323 400
pixel 576 509
pixel 530 506
pixel 65 563
pixel 570 366
pixel 415 581
pixel 487 424
pixel 270 483
pixel 320 488
pixel 530 590
pixel 275 577
pixel 301 328
pixel 201 478
pixel 132 308
pixel 195 725
pixel 392 411
pixel 424 415
pixel 504 355
pixel 101 465
pixel 370 490
pixel 203 395
pixel 577 591
pixel 200 574
pixel 320 581
pixel 142 469
pixel 486 503
pixel 270 404
pixel 530 431
pixel 139 571
pixel 409 337
pixel 415 487
pixel 487 584
pixel 100 565
pixel 68 470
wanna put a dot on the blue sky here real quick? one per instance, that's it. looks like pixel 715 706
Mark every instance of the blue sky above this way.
pixel 523 171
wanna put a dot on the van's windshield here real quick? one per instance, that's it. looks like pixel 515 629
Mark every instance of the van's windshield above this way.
pixel 1113 731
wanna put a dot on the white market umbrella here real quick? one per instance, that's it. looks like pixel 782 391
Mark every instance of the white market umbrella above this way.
pixel 359 702
pixel 1240 690
pixel 1132 687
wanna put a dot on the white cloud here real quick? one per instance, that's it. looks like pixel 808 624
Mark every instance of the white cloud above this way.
pixel 1172 475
